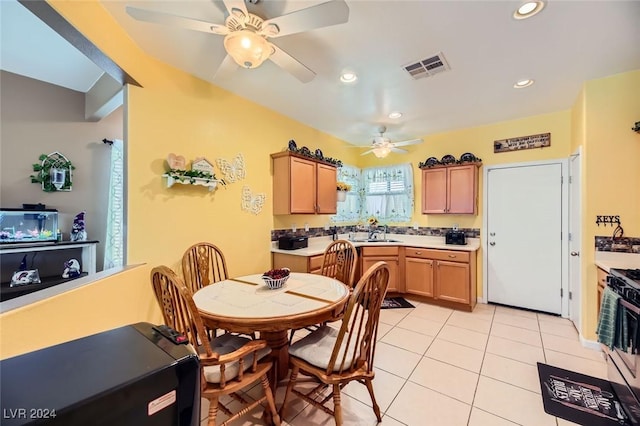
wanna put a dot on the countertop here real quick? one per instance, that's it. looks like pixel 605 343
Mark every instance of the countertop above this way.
pixel 609 259
pixel 319 244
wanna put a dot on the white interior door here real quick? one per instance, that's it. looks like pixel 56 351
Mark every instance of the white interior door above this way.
pixel 524 227
pixel 575 223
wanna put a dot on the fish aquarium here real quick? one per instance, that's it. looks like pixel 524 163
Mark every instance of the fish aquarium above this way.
pixel 27 226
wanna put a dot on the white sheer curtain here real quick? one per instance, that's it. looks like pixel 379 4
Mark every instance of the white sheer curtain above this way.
pixel 113 252
pixel 388 193
pixel 349 210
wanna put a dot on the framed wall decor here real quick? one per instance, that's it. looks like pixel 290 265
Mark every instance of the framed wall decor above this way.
pixel 523 142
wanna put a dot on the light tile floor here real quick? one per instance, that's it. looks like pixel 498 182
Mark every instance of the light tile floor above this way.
pixel 438 366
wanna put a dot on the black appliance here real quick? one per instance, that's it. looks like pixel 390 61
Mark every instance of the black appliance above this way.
pixel 132 375
pixel 624 365
pixel 455 237
pixel 292 242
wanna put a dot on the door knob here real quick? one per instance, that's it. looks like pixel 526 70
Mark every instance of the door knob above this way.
pixel 493 234
pixel 575 253
pixel 492 243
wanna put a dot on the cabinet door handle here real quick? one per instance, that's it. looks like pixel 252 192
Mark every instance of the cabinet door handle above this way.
pixel 418 252
pixel 453 256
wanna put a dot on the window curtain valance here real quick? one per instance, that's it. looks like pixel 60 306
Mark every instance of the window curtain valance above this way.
pixel 385 193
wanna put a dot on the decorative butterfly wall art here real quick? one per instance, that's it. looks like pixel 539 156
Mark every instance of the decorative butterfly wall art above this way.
pixel 233 170
pixel 252 203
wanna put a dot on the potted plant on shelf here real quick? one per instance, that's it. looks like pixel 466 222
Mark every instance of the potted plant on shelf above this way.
pixel 342 189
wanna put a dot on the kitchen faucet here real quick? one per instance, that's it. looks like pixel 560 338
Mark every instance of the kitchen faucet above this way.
pixel 375 231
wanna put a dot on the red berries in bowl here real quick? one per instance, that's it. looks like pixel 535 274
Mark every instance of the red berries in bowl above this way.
pixel 275 278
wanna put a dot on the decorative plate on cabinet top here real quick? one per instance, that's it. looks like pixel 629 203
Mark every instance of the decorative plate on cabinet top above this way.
pixel 319 154
pixel 305 151
pixel 448 159
pixel 293 146
pixel 431 161
pixel 468 157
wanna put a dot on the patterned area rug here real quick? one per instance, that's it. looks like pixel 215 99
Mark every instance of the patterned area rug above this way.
pixel 581 399
pixel 395 302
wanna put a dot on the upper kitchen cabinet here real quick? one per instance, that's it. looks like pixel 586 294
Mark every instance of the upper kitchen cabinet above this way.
pixel 303 185
pixel 450 189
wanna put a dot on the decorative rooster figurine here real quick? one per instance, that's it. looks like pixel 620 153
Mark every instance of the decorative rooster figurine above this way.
pixel 78 233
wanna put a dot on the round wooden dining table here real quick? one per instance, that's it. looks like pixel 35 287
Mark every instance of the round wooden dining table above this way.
pixel 246 305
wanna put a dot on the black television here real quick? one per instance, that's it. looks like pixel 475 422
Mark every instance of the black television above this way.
pixel 132 375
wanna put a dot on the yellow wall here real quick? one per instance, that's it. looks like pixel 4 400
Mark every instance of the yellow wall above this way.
pixel 611 176
pixel 118 300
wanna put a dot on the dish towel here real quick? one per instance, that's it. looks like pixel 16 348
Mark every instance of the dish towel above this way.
pixel 607 321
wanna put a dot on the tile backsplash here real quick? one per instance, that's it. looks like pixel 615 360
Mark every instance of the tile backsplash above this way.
pixel 619 245
pixel 408 230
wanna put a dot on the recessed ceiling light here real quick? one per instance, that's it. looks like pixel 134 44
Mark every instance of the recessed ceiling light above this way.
pixel 528 9
pixel 521 84
pixel 395 114
pixel 348 77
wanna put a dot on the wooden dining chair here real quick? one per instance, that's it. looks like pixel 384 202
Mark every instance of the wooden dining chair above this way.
pixel 203 264
pixel 339 261
pixel 333 357
pixel 229 362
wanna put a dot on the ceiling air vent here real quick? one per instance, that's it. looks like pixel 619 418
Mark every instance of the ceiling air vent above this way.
pixel 427 67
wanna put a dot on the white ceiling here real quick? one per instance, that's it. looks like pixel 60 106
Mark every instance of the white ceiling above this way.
pixel 568 43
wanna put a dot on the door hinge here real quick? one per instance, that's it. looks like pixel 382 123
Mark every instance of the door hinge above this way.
pixel 570 295
pixel 561 179
pixel 561 293
pixel 570 179
pixel 569 236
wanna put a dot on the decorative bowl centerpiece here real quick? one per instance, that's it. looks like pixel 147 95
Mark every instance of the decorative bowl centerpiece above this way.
pixel 275 278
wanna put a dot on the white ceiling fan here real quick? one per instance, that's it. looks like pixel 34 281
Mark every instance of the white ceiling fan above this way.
pixel 381 146
pixel 247 35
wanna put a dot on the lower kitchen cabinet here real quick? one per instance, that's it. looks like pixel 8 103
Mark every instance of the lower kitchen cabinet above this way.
pixel 371 255
pixel 312 264
pixel 418 276
pixel 452 282
pixel 438 276
pixel 447 277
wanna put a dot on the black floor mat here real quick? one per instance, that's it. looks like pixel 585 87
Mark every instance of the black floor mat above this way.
pixel 579 398
pixel 395 302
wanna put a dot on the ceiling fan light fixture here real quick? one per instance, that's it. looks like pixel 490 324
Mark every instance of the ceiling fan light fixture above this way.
pixel 381 151
pixel 395 114
pixel 247 48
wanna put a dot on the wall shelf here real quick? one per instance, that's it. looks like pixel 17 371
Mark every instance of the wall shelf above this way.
pixel 211 184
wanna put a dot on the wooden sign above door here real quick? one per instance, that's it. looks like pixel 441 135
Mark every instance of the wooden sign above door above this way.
pixel 523 142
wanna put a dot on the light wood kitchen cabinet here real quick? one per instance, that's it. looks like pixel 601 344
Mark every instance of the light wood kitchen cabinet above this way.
pixel 312 264
pixel 370 255
pixel 302 185
pixel 602 283
pixel 418 276
pixel 450 189
pixel 446 277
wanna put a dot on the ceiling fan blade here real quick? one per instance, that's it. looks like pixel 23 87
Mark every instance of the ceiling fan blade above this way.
pixel 408 142
pixel 291 65
pixel 226 68
pixel 156 17
pixel 322 15
pixel 236 4
pixel 399 151
pixel 367 152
